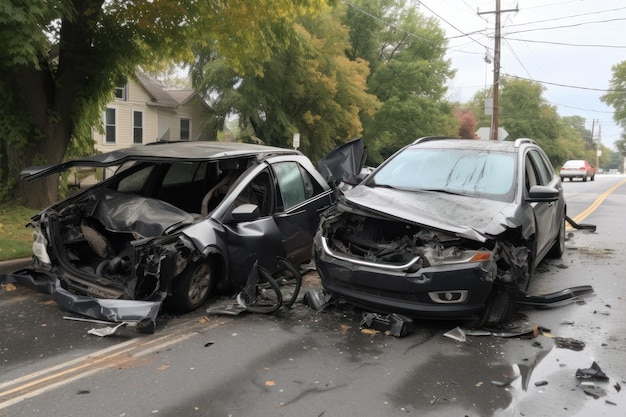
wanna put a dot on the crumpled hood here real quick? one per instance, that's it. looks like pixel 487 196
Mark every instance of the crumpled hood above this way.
pixel 473 218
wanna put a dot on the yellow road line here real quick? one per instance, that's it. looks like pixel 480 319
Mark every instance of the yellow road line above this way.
pixel 45 380
pixel 583 215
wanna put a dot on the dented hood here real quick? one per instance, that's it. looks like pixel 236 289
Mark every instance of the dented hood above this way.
pixel 472 218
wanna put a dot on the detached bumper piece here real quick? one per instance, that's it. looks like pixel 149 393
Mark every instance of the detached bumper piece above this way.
pixel 578 226
pixel 394 324
pixel 555 299
pixel 142 314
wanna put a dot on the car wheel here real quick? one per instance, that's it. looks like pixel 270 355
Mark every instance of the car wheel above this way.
pixel 192 288
pixel 557 249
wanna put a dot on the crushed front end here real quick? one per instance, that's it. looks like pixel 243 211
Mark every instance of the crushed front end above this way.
pixel 394 266
pixel 98 259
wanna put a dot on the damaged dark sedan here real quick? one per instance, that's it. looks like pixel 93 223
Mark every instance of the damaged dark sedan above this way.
pixel 176 220
pixel 445 228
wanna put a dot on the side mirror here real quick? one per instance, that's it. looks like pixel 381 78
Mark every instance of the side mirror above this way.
pixel 244 213
pixel 542 194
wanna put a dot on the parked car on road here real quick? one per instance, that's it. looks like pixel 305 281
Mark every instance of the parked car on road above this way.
pixel 577 168
pixel 445 228
pixel 177 220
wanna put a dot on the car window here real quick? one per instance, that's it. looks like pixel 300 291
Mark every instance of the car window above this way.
pixel 543 172
pixel 184 173
pixel 295 183
pixel 461 171
pixel 134 183
pixel 259 192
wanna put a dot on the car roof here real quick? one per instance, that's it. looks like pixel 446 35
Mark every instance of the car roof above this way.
pixel 435 142
pixel 163 152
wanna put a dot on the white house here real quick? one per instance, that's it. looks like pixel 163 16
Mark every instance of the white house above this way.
pixel 146 111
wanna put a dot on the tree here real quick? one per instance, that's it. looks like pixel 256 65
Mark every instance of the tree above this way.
pixel 467 121
pixel 616 97
pixel 409 72
pixel 309 88
pixel 62 58
pixel 524 113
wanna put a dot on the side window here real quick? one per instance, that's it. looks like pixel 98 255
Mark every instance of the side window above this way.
pixel 295 184
pixel 543 172
pixel 258 192
pixel 135 182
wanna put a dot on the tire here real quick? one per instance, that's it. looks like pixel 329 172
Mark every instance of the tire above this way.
pixel 193 287
pixel 557 249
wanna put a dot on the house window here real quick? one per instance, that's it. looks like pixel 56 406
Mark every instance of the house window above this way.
pixel 185 129
pixel 110 125
pixel 120 90
pixel 137 127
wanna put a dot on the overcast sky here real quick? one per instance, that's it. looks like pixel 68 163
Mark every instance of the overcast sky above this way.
pixel 567 45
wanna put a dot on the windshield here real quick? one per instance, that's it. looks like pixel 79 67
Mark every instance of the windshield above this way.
pixel 458 171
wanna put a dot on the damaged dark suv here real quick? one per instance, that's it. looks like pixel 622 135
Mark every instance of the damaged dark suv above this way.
pixel 177 220
pixel 445 228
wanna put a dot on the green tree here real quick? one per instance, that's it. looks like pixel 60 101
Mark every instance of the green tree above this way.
pixel 409 73
pixel 616 97
pixel 309 88
pixel 61 59
pixel 525 113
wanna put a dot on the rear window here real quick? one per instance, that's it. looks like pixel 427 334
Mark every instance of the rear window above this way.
pixel 459 171
pixel 574 164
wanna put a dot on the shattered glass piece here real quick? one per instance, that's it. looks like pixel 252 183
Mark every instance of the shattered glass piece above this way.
pixel 592 373
pixel 457 334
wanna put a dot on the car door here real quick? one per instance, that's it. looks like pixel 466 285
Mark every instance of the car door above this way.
pixel 546 213
pixel 300 200
pixel 289 201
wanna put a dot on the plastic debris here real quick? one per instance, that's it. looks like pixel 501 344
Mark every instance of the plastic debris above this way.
pixel 592 373
pixel 317 300
pixel 567 343
pixel 106 331
pixel 393 324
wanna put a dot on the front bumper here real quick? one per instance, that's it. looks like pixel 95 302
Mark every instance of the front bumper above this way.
pixel 141 314
pixel 445 292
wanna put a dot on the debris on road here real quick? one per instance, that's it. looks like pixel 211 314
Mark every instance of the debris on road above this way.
pixel 106 331
pixel 317 299
pixel 393 324
pixel 594 372
pixel 568 343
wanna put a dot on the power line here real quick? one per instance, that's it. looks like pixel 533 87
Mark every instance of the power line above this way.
pixel 604 90
pixel 568 44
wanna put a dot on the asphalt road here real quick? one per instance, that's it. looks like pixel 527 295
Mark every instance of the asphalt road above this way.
pixel 307 363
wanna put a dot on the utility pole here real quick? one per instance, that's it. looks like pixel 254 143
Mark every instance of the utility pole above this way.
pixel 493 134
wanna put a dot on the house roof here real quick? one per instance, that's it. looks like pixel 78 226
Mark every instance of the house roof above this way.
pixel 162 96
